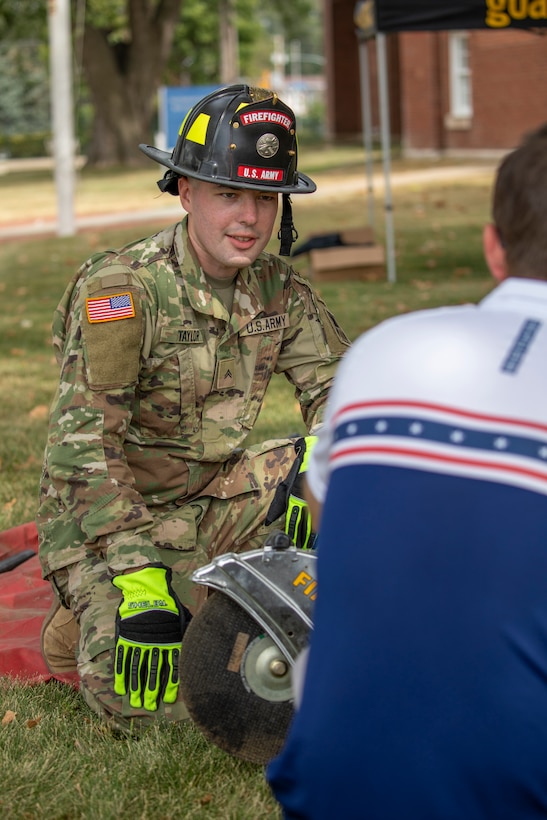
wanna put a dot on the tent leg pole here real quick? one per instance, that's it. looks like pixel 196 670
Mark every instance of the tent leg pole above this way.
pixel 367 126
pixel 386 151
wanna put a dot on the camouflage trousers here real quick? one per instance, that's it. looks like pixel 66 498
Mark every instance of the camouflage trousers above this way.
pixel 84 631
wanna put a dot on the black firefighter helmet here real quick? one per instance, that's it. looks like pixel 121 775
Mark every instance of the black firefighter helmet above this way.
pixel 242 137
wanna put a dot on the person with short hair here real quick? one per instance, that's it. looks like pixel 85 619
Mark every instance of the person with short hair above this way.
pixel 425 692
pixel 166 349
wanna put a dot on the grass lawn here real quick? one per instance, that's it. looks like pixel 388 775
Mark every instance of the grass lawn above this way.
pixel 56 760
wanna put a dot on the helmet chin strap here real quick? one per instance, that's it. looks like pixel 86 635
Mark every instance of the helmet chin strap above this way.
pixel 287 232
pixel 169 183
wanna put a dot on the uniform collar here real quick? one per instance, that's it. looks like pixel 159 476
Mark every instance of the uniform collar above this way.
pixel 519 295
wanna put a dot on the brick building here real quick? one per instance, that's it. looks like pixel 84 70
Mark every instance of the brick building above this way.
pixel 451 93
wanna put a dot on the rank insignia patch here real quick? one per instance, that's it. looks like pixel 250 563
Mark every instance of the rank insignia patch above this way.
pixel 109 308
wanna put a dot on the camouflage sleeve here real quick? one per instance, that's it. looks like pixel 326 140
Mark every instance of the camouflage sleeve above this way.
pixel 99 356
pixel 312 349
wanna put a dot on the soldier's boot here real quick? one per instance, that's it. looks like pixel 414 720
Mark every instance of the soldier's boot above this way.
pixel 59 639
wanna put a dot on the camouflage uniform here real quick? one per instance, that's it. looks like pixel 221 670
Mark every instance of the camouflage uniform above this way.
pixel 159 387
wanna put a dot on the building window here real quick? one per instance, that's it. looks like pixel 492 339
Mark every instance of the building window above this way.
pixel 461 105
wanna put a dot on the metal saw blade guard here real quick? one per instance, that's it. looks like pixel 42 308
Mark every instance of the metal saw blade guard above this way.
pixel 238 651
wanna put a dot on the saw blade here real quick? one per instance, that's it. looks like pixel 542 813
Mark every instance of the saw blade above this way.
pixel 235 681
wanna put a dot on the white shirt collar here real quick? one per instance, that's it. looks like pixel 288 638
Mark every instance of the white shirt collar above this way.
pixel 518 295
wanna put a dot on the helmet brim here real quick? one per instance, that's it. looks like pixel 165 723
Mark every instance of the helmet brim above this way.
pixel 305 185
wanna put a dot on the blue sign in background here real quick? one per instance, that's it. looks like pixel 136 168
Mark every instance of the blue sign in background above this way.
pixel 174 104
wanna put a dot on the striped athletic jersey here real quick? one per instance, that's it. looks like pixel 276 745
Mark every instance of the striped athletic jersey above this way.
pixel 425 696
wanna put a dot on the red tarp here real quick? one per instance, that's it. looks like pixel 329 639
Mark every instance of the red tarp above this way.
pixel 25 599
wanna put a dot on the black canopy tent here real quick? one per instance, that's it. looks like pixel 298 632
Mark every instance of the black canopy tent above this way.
pixel 435 15
pixel 376 18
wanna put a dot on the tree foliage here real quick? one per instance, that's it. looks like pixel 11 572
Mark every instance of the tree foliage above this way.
pixel 24 89
pixel 195 57
pixel 24 107
pixel 126 49
pixel 23 24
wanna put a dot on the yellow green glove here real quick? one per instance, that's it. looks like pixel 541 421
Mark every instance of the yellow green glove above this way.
pixel 297 517
pixel 289 498
pixel 149 627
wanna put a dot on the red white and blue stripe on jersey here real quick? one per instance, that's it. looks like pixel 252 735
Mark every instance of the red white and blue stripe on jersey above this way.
pixel 444 439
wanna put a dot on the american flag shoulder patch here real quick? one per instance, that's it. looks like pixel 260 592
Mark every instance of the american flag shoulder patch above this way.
pixel 110 308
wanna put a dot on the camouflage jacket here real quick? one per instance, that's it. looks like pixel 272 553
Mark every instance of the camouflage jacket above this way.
pixel 159 385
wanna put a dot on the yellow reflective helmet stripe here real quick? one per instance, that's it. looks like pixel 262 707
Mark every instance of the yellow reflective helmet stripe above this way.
pixel 198 130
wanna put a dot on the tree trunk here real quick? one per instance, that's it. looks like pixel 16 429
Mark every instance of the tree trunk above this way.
pixel 123 79
pixel 229 61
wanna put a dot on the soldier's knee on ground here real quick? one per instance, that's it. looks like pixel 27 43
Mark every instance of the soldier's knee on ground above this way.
pixel 97 688
pixel 60 635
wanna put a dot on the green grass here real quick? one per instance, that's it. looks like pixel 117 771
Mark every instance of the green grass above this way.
pixel 66 765
pixel 58 762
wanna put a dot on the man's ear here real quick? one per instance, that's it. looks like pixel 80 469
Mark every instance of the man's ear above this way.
pixel 494 252
pixel 184 193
